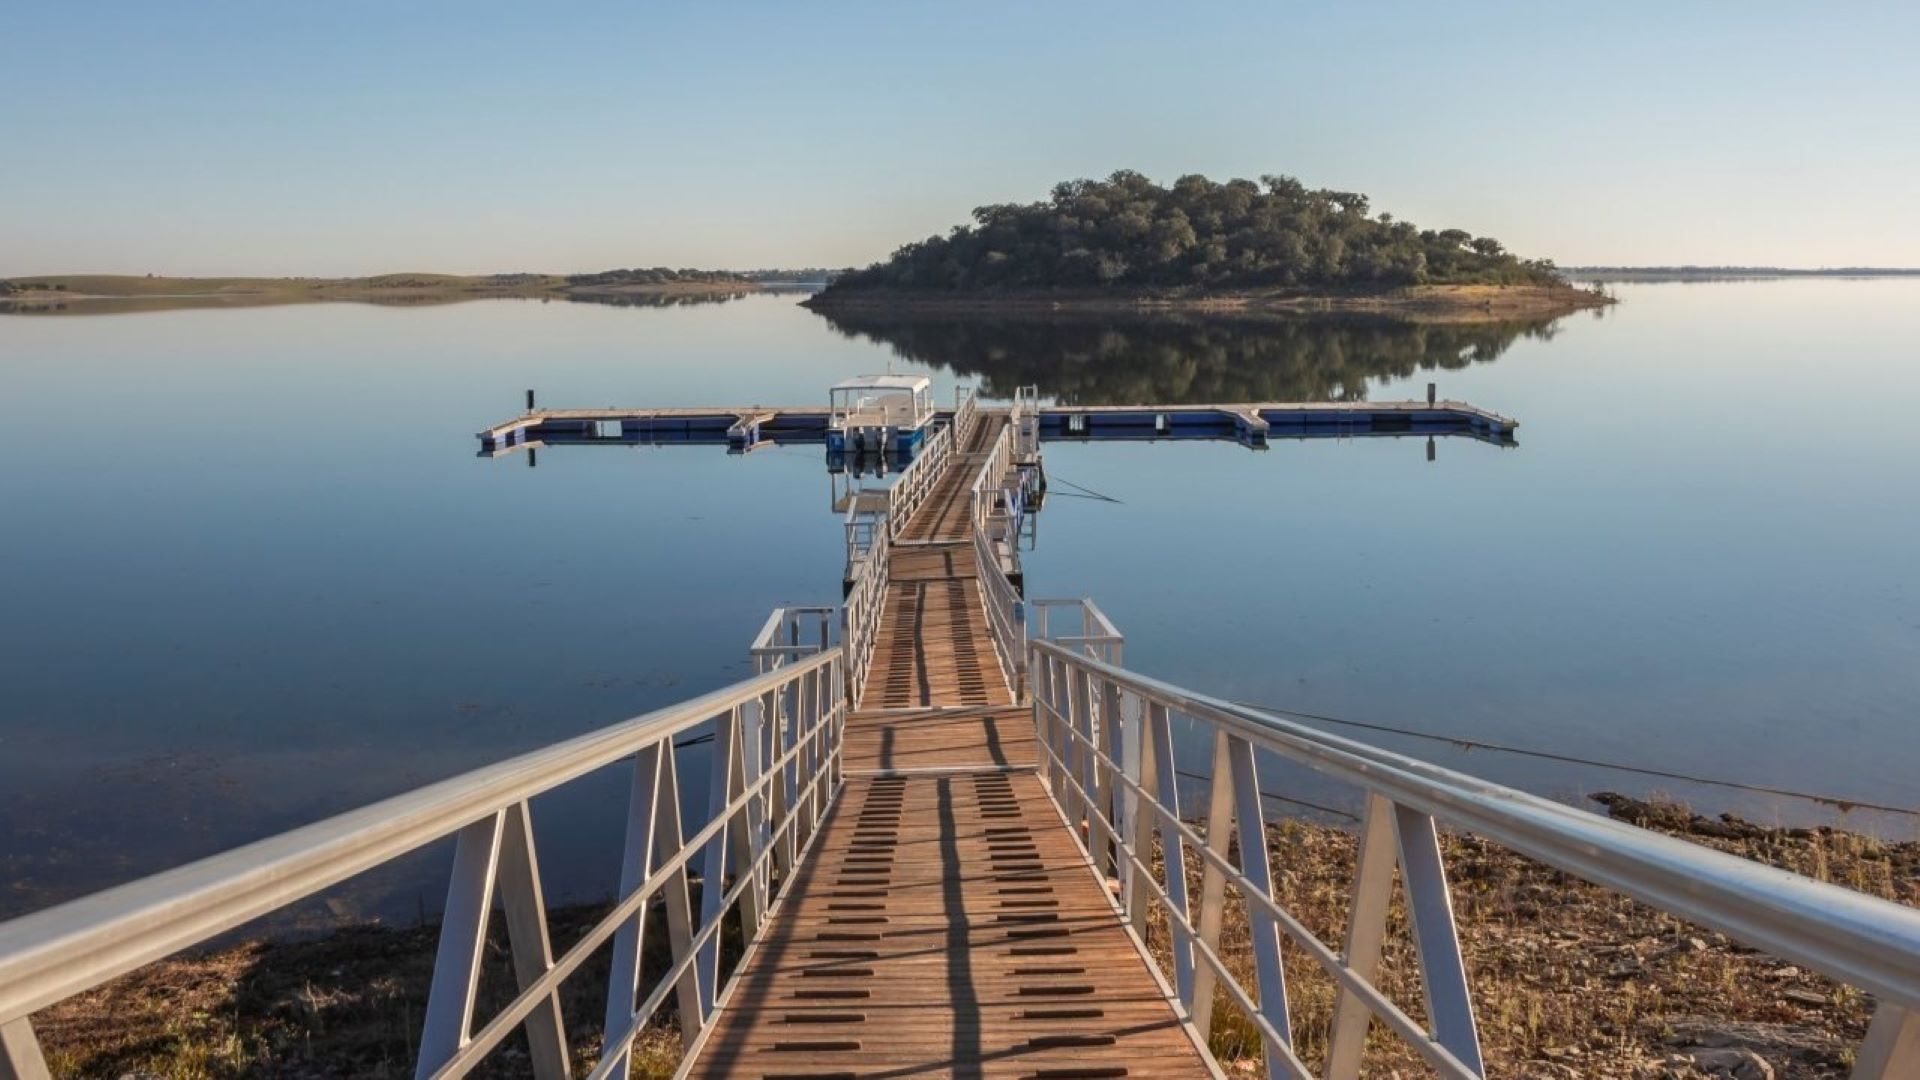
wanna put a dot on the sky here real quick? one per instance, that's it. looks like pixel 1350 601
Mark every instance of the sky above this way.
pixel 351 138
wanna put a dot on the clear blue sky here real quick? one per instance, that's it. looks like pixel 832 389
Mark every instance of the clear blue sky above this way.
pixel 347 137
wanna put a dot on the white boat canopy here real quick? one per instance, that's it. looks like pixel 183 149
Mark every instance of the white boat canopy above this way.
pixel 886 402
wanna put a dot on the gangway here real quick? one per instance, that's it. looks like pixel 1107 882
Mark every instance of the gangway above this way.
pixel 943 820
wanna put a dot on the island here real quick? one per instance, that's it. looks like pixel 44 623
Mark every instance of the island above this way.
pixel 1127 242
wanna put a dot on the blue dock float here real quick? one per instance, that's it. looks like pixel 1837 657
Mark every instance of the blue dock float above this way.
pixel 745 428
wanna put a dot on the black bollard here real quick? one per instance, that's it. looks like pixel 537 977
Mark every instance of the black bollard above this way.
pixel 1429 448
pixel 1430 389
pixel 529 401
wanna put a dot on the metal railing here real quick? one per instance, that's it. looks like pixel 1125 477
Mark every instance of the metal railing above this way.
pixel 860 616
pixel 993 507
pixel 966 413
pixel 784 637
pixel 1025 422
pixel 1106 736
pixel 775 774
pixel 920 476
pixel 1077 624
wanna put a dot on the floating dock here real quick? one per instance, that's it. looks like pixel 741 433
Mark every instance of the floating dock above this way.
pixel 745 427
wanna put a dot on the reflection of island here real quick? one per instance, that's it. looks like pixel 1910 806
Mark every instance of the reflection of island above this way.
pixel 656 299
pixel 1086 359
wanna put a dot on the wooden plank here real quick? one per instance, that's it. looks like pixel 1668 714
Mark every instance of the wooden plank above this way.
pixel 946 924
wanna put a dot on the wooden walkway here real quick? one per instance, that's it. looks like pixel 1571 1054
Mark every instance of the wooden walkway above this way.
pixel 946 923
pixel 934 647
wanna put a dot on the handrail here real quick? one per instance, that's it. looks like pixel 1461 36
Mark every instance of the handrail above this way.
pixel 782 639
pixel 966 413
pixel 860 617
pixel 1005 613
pixel 776 774
pixel 918 479
pixel 1106 738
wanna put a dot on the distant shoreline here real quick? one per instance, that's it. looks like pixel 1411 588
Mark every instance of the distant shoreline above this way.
pixel 1728 273
pixel 58 289
pixel 1449 302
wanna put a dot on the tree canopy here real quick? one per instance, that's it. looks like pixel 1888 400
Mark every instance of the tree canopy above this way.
pixel 1128 232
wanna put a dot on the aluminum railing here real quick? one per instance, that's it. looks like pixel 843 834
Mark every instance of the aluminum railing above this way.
pixel 920 476
pixel 1025 422
pixel 1006 614
pixel 1077 624
pixel 775 774
pixel 860 617
pixel 785 636
pixel 966 413
pixel 993 507
pixel 1107 740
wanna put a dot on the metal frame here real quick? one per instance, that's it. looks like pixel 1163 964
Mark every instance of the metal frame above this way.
pixel 776 774
pixel 1107 760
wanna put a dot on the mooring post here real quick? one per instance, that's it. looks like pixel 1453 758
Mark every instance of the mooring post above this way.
pixel 1430 397
pixel 530 398
pixel 533 460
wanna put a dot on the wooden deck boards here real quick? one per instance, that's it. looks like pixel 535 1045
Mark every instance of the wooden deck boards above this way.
pixel 958 738
pixel 947 925
pixel 934 648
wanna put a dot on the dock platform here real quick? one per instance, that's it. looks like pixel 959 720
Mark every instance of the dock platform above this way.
pixel 743 427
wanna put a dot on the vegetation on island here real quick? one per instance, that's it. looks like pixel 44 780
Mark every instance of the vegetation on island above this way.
pixel 1127 233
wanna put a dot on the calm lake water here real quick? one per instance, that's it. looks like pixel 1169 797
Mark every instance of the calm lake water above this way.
pixel 254 573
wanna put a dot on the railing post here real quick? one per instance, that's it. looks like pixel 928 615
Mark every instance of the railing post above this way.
pixel 751 848
pixel 1059 719
pixel 713 859
pixel 1891 1050
pixel 1443 974
pixel 1366 931
pixel 1080 708
pixel 1136 827
pixel 20 1056
pixel 1173 850
pixel 1261 925
pixel 527 939
pixel 1103 724
pixel 463 939
pixel 636 866
pixel 1213 881
pixel 668 839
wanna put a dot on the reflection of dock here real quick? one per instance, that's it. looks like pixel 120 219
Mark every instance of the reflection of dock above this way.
pixel 745 427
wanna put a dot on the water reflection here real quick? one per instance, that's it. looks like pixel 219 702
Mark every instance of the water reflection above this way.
pixel 1103 359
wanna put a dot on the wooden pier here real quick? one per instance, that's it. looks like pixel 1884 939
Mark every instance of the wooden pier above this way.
pixel 947 922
